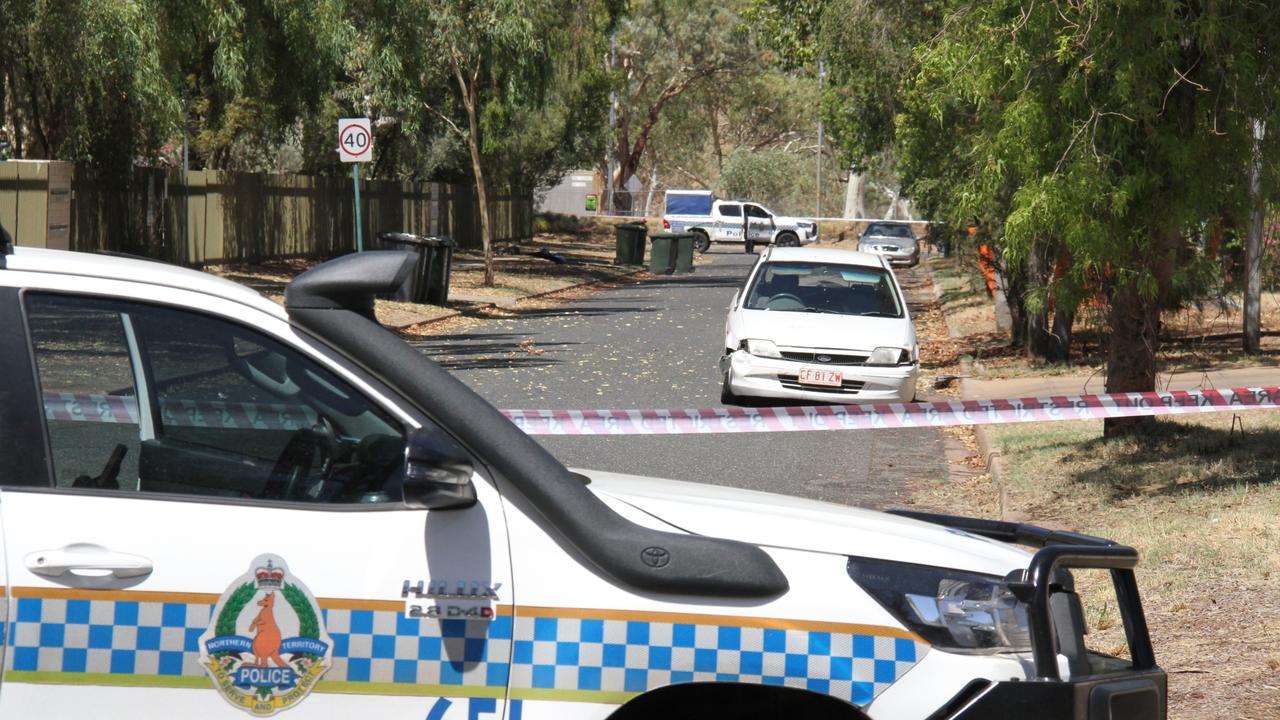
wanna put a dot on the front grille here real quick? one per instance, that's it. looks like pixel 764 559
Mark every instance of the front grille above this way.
pixel 847 387
pixel 831 358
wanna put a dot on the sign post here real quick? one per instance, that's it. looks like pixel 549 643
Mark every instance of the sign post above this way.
pixel 355 145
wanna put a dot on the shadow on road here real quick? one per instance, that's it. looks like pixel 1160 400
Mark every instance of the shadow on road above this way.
pixel 490 352
pixel 573 310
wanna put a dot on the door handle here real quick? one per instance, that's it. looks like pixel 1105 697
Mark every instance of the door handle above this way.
pixel 85 559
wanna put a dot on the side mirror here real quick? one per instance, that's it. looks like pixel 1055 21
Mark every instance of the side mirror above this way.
pixel 437 472
pixel 734 302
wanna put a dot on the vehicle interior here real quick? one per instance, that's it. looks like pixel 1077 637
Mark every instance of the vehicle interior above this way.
pixel 146 398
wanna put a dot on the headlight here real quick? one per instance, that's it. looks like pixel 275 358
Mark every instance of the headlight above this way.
pixel 950 609
pixel 864 248
pixel 761 348
pixel 889 356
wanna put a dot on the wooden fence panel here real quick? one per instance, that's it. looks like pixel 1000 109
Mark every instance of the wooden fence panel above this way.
pixel 214 217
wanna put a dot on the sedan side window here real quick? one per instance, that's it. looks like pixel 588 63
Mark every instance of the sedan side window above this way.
pixel 202 406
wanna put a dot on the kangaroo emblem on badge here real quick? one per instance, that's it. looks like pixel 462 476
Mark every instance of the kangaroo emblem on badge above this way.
pixel 266 646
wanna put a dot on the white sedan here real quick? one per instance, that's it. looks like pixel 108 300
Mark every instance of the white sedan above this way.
pixel 820 325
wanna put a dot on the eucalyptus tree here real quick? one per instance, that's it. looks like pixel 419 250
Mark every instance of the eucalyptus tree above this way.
pixel 107 83
pixel 663 50
pixel 509 78
pixel 1119 125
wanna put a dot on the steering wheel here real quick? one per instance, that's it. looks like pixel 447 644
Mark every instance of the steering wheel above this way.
pixel 307 448
pixel 789 301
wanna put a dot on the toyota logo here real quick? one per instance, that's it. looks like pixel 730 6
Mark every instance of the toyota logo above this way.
pixel 655 557
pixel 823 358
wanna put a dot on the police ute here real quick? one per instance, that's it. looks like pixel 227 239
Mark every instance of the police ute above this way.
pixel 217 506
pixel 732 221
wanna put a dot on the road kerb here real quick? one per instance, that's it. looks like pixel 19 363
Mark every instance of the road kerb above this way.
pixel 990 452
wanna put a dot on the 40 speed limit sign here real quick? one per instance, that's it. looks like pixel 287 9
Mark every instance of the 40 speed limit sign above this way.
pixel 355 140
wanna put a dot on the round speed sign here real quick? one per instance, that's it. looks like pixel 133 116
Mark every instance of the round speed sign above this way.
pixel 355 141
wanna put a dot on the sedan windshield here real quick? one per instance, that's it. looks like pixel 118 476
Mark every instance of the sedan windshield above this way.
pixel 824 288
pixel 893 231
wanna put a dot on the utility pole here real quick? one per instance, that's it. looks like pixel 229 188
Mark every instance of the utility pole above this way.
pixel 817 211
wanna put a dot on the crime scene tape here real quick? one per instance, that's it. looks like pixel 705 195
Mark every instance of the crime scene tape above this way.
pixel 273 416
pixel 890 415
pixel 123 409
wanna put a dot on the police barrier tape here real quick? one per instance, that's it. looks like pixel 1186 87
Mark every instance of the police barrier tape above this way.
pixel 273 416
pixel 890 415
pixel 72 407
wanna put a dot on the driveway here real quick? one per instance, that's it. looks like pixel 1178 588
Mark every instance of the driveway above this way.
pixel 656 345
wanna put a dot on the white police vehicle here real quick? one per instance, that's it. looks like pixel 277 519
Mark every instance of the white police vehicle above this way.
pixel 217 507
pixel 733 221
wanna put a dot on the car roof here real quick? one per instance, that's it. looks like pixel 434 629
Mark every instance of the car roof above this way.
pixel 826 255
pixel 139 270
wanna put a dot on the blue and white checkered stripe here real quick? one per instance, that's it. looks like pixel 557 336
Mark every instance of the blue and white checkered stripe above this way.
pixel 84 636
pixel 387 647
pixel 634 656
pixel 114 637
pixel 162 638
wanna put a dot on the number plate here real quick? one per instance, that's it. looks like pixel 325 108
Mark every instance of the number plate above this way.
pixel 820 376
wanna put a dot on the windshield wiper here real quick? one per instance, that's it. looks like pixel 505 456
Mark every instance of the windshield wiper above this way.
pixel 880 313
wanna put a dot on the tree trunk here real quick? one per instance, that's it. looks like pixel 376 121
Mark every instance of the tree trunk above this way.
pixel 1039 341
pixel 1013 282
pixel 855 197
pixel 470 101
pixel 1063 321
pixel 1253 247
pixel 647 210
pixel 892 212
pixel 1131 352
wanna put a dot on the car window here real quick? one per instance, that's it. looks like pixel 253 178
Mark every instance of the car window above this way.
pixel 731 210
pixel 90 402
pixel 824 288
pixel 895 231
pixel 756 211
pixel 193 404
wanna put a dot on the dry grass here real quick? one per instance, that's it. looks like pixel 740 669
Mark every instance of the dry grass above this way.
pixel 1199 502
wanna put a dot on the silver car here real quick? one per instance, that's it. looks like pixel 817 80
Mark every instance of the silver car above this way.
pixel 893 240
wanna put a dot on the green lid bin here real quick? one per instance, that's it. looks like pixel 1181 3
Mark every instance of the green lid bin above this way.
pixel 429 281
pixel 442 248
pixel 684 252
pixel 662 253
pixel 629 238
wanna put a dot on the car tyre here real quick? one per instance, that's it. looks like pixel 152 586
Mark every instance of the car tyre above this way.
pixel 701 242
pixel 727 396
pixel 788 240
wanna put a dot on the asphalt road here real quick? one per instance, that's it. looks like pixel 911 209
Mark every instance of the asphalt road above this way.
pixel 656 345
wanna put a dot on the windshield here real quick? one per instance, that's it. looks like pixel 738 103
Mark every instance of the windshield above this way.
pixel 824 288
pixel 894 231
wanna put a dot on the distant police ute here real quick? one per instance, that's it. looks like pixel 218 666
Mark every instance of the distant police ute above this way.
pixel 733 221
pixel 215 506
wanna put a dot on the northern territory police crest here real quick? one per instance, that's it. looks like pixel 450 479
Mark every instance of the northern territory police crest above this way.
pixel 266 646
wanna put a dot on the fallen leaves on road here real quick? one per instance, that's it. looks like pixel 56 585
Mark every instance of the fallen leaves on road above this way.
pixel 526 346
